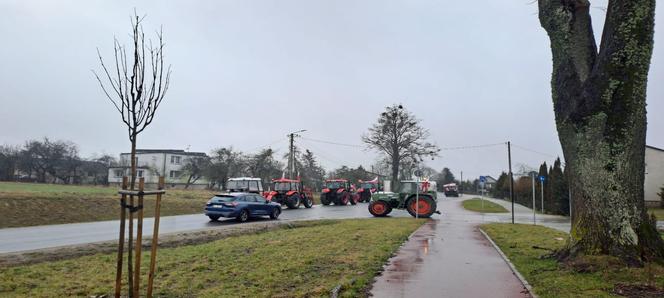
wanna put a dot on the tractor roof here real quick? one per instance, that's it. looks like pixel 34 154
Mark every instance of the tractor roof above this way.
pixel 244 178
pixel 336 180
pixel 285 180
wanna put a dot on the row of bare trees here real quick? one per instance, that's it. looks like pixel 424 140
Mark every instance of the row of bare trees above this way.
pixel 54 162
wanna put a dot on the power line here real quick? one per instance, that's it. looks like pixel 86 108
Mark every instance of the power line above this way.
pixel 534 151
pixel 267 145
pixel 318 152
pixel 333 143
pixel 471 147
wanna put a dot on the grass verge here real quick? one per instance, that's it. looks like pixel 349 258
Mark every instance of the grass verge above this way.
pixel 300 262
pixel 32 204
pixel 659 212
pixel 476 204
pixel 597 276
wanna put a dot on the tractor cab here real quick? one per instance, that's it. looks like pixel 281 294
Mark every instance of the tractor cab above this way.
pixel 338 192
pixel 290 192
pixel 286 185
pixel 366 188
pixel 336 185
pixel 244 184
pixel 451 190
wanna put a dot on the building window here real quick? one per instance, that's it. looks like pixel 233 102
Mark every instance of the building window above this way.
pixel 174 174
pixel 175 159
pixel 140 173
pixel 119 173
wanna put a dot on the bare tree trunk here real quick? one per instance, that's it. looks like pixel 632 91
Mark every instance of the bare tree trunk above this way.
pixel 395 173
pixel 600 106
pixel 130 270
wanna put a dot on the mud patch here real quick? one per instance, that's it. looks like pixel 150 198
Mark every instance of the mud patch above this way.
pixel 636 290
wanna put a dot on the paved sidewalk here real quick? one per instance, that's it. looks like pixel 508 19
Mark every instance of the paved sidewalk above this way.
pixel 449 257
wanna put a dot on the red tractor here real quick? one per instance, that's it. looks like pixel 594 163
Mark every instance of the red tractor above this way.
pixel 366 189
pixel 338 192
pixel 290 193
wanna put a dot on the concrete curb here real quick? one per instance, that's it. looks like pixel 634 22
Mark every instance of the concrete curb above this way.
pixel 509 263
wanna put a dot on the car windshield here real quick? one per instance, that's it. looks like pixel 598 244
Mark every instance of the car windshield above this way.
pixel 281 186
pixel 237 184
pixel 225 198
pixel 333 184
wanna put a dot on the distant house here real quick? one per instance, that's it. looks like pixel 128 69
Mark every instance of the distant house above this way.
pixel 654 175
pixel 152 163
pixel 490 182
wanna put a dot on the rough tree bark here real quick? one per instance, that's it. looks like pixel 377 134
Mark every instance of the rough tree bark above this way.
pixel 599 99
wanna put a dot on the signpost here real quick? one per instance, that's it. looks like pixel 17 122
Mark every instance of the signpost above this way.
pixel 482 181
pixel 417 173
pixel 542 178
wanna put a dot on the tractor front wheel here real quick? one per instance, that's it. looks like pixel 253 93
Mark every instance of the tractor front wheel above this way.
pixel 424 207
pixel 344 199
pixel 379 208
pixel 324 200
pixel 307 201
pixel 354 198
pixel 293 201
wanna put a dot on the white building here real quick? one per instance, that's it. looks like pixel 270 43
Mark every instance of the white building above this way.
pixel 152 163
pixel 654 175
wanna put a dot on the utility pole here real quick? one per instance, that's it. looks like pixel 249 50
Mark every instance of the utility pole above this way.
pixel 291 153
pixel 290 156
pixel 509 160
pixel 461 184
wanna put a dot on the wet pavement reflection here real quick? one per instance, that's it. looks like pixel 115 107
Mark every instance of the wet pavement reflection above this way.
pixel 449 257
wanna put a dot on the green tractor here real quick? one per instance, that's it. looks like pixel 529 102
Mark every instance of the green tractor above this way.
pixel 419 203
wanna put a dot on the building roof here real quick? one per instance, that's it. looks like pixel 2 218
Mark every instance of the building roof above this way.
pixel 168 151
pixel 490 179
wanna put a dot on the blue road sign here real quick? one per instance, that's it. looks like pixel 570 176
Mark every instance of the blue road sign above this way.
pixel 482 179
pixel 542 178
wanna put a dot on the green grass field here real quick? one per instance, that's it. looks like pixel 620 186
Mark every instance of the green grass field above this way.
pixel 475 204
pixel 525 246
pixel 659 212
pixel 30 204
pixel 306 261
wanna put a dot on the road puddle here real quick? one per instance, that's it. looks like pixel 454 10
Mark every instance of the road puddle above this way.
pixel 410 257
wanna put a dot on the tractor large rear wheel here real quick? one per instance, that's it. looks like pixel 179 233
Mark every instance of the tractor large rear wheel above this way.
pixel 293 202
pixel 379 208
pixel 324 200
pixel 424 207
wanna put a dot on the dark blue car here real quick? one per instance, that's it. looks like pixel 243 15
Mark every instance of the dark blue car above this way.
pixel 242 206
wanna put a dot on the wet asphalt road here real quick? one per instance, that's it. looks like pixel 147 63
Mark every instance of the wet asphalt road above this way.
pixel 49 236
pixel 39 237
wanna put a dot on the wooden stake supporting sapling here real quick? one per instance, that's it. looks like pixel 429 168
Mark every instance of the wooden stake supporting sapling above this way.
pixel 134 276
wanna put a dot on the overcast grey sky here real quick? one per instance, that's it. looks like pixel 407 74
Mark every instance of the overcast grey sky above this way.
pixel 245 73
